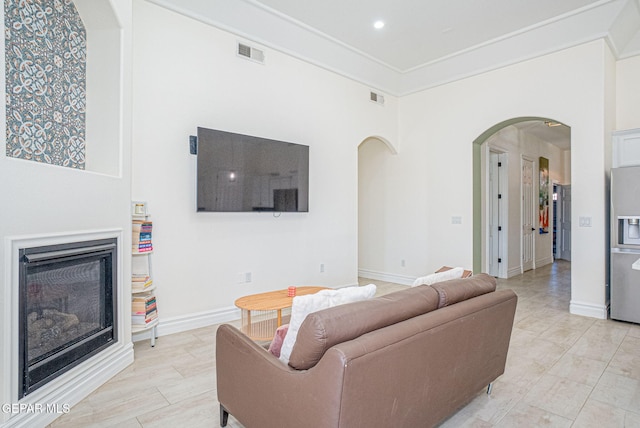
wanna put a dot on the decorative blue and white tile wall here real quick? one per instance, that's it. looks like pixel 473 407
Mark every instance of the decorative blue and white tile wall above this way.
pixel 45 60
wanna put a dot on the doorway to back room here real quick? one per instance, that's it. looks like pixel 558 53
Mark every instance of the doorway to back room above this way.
pixel 515 164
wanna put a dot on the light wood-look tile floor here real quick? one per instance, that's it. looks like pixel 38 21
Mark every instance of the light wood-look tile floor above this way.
pixel 562 370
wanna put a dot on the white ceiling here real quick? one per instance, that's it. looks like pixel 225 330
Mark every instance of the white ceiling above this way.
pixel 418 32
pixel 424 43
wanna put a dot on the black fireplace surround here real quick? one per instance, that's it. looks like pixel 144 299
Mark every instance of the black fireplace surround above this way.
pixel 67 308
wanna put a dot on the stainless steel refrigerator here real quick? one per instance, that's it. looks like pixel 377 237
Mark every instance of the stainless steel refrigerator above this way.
pixel 625 244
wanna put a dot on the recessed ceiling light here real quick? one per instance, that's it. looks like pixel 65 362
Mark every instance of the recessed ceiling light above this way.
pixel 378 25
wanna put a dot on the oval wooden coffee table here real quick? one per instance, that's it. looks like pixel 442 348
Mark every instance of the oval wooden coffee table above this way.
pixel 262 312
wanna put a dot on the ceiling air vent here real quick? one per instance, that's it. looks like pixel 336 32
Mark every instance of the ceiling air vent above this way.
pixel 377 98
pixel 249 52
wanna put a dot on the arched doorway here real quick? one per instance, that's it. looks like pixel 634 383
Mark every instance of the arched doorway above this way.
pixel 507 162
pixel 374 170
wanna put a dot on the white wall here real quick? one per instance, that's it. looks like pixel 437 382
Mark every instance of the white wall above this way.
pixel 40 200
pixel 432 173
pixel 188 75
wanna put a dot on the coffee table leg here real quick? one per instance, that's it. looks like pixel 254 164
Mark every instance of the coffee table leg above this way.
pixel 279 317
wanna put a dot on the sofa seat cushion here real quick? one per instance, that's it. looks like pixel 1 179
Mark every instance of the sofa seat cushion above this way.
pixel 457 290
pixel 323 329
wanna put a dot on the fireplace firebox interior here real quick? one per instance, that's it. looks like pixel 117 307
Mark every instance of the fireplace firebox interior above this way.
pixel 67 309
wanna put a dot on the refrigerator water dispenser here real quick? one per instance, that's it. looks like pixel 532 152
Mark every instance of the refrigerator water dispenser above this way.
pixel 629 230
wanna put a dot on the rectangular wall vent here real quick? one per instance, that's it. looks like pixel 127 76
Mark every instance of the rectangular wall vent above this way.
pixel 249 52
pixel 377 98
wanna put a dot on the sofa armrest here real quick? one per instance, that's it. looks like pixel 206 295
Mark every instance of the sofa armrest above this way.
pixel 259 390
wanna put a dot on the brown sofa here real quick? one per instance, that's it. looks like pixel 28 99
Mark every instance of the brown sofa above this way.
pixel 407 359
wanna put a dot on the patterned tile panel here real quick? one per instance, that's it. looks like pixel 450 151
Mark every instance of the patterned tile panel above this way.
pixel 45 63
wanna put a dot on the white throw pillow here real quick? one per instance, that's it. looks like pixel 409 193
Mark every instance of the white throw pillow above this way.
pixel 454 273
pixel 323 299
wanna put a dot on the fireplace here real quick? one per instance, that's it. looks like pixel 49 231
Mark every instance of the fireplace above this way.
pixel 67 308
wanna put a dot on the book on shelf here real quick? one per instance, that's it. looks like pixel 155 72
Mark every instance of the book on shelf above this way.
pixel 141 232
pixel 140 282
pixel 142 320
pixel 142 226
pixel 141 304
pixel 143 247
pixel 143 309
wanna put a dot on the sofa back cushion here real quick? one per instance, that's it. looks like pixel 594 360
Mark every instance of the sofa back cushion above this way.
pixel 457 290
pixel 323 299
pixel 323 329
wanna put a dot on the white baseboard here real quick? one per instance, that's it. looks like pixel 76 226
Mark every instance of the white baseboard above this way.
pixel 514 271
pixel 70 388
pixel 517 270
pixel 543 262
pixel 588 310
pixel 387 277
pixel 192 321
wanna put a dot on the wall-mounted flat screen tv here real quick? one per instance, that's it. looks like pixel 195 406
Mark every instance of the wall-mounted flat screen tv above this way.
pixel 241 173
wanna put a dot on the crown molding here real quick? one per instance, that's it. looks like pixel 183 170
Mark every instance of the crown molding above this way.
pixel 615 21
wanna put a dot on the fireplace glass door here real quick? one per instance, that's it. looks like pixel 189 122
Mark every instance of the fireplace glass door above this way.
pixel 67 308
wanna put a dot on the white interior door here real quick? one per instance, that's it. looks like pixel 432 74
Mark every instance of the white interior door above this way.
pixel 564 195
pixel 496 228
pixel 528 214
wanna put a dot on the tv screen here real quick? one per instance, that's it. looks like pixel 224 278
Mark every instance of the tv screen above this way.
pixel 240 173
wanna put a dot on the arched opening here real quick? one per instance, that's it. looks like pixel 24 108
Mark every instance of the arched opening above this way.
pixel 375 166
pixel 518 163
pixel 378 139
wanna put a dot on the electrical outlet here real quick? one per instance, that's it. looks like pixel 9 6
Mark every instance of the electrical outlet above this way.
pixel 402 263
pixel 584 221
pixel 321 267
pixel 456 219
pixel 247 277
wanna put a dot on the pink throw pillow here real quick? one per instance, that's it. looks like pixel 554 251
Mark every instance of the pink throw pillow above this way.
pixel 276 343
